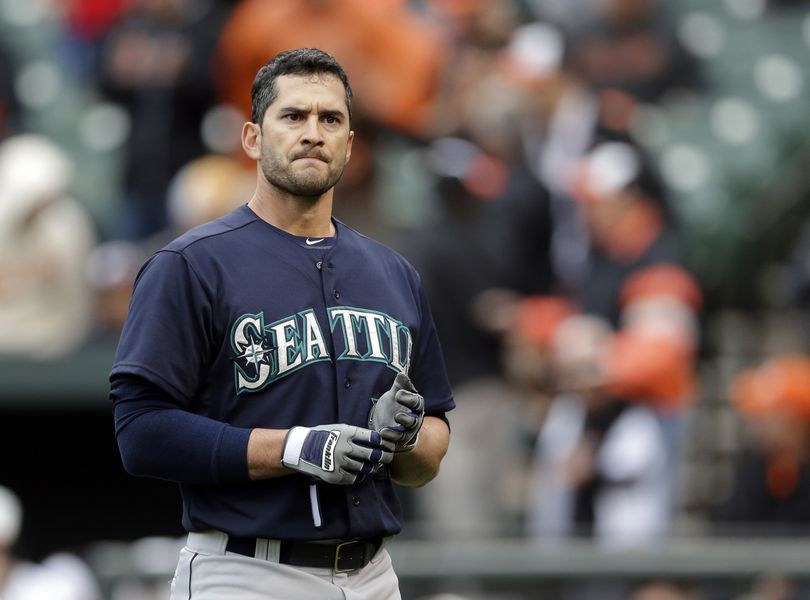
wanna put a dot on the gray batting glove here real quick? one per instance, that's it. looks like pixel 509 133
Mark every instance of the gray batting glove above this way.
pixel 340 454
pixel 398 414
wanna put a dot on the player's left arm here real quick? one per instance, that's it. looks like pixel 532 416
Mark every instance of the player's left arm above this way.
pixel 421 464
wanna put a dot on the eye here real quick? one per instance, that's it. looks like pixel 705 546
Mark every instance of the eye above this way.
pixel 292 117
pixel 330 119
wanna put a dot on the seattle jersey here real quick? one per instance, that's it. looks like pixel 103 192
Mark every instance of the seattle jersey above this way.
pixel 237 322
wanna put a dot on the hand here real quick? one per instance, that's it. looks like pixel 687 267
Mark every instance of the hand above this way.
pixel 398 414
pixel 339 454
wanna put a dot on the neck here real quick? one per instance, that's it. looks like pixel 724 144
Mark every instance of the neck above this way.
pixel 302 216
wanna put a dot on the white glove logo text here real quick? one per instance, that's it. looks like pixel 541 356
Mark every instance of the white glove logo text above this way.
pixel 328 462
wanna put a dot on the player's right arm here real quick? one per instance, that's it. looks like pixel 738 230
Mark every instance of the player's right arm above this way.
pixel 156 438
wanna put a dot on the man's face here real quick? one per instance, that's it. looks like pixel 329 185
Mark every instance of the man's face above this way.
pixel 306 140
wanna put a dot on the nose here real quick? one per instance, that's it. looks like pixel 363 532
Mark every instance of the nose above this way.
pixel 311 135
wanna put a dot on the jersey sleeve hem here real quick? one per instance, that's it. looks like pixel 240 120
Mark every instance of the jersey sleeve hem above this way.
pixel 151 376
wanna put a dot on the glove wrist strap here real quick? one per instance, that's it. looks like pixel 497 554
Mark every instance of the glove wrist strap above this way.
pixel 293 445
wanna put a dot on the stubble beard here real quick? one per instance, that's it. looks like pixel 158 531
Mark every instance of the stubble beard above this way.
pixel 308 183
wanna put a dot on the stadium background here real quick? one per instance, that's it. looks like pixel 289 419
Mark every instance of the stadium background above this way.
pixel 731 141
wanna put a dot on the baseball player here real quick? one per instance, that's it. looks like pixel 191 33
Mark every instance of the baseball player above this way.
pixel 284 369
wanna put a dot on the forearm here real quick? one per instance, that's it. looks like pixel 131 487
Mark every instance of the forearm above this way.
pixel 264 451
pixel 421 465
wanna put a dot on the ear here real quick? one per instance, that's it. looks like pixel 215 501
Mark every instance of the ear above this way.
pixel 252 140
pixel 349 146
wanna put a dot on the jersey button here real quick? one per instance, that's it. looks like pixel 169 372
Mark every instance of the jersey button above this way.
pixel 355 500
pixel 319 265
pixel 347 383
pixel 336 294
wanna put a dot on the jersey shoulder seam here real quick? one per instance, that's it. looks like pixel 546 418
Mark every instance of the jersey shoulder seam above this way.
pixel 205 237
pixel 191 268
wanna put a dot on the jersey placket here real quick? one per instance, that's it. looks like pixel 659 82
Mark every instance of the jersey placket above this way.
pixel 357 494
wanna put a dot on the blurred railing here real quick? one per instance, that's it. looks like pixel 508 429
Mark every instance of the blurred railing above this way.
pixel 508 563
pixel 78 379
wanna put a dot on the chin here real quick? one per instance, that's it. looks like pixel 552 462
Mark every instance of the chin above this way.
pixel 310 191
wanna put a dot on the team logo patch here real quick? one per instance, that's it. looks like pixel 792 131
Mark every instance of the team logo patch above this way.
pixel 263 353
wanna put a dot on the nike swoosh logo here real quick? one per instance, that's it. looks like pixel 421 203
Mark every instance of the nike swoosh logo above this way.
pixel 313 242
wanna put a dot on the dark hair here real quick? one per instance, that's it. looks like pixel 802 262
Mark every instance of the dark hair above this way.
pixel 301 61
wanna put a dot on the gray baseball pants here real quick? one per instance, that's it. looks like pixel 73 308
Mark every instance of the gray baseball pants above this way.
pixel 206 572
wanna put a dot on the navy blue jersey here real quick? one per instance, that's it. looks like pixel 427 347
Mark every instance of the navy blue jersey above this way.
pixel 240 323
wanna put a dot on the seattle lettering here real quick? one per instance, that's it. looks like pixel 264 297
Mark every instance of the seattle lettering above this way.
pixel 264 353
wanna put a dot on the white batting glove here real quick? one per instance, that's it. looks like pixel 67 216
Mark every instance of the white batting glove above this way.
pixel 339 454
pixel 398 414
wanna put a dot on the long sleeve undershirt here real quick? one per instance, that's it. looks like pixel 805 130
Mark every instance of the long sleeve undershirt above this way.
pixel 158 439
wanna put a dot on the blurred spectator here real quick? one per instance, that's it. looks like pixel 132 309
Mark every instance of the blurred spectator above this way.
pixel 202 190
pixel 636 280
pixel 607 452
pixel 392 58
pixel 61 576
pixel 86 22
pixel 205 189
pixel 45 237
pixel 601 461
pixel 484 24
pixel 493 234
pixel 771 487
pixel 475 32
pixel 625 46
pixel 157 63
pixel 558 119
pixel 111 269
pixel 527 344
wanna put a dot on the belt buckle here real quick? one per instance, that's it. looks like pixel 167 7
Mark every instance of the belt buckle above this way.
pixel 337 556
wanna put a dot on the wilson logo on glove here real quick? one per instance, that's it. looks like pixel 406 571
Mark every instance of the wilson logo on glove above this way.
pixel 327 462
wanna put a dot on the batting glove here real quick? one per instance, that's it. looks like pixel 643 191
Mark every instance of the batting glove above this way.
pixel 398 414
pixel 339 454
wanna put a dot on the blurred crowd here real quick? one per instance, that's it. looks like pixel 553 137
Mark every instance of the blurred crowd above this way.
pixel 500 148
pixel 60 576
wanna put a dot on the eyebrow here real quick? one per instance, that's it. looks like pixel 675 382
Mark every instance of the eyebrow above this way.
pixel 326 113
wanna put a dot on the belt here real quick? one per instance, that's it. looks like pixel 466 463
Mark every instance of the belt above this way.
pixel 342 556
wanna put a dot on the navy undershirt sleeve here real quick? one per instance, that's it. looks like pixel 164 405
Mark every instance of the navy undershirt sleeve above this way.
pixel 156 438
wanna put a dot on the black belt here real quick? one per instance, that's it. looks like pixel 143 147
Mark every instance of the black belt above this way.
pixel 341 555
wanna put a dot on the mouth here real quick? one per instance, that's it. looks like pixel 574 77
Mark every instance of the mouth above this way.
pixel 318 157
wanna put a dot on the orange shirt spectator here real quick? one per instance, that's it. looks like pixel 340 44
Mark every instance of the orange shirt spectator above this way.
pixel 392 58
